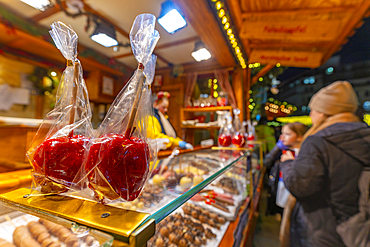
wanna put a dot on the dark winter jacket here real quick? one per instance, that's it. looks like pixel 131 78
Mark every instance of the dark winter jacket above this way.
pixel 271 162
pixel 325 180
pixel 272 157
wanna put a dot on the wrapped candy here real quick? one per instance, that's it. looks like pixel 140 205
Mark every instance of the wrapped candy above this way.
pixel 58 150
pixel 120 157
pixel 238 137
pixel 226 132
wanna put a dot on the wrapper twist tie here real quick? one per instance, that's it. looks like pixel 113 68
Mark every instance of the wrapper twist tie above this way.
pixel 69 63
pixel 140 66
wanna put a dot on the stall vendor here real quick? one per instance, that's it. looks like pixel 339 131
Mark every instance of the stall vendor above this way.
pixel 163 129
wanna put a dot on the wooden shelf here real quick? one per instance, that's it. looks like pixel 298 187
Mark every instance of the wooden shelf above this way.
pixel 207 109
pixel 200 127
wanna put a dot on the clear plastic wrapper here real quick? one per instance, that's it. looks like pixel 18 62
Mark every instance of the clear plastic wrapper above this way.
pixel 58 150
pixel 226 132
pixel 120 157
pixel 239 134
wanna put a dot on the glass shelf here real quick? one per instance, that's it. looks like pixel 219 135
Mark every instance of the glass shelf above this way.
pixel 170 186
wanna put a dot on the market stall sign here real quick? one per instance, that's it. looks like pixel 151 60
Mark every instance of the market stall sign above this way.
pixel 287 58
pixel 297 29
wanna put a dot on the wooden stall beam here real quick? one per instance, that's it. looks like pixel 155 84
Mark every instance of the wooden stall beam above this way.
pixel 201 17
pixel 262 72
pixel 162 58
pixel 48 12
pixel 304 45
pixel 238 88
pixel 247 87
pixel 118 29
pixel 175 43
pixel 236 13
pixel 178 42
pixel 246 15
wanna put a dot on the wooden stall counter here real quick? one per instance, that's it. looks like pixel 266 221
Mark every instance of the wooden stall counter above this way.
pixel 14 143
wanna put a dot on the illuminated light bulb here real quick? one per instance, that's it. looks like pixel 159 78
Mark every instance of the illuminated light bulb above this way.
pixel 237 50
pixel 218 5
pixel 232 41
pixel 232 36
pixel 235 44
pixel 229 31
pixel 224 20
pixel 227 25
pixel 278 65
pixel 260 79
pixel 250 66
pixel 221 13
pixel 266 108
pixel 215 80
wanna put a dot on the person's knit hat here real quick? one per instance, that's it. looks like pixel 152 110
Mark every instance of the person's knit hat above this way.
pixel 335 98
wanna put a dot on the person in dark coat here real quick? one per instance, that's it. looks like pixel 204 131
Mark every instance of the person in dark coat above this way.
pixel 324 176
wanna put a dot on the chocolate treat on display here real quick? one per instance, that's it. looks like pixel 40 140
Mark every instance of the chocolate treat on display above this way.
pixel 181 230
pixel 228 185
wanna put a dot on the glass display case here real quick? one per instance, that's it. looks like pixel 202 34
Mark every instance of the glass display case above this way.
pixel 196 198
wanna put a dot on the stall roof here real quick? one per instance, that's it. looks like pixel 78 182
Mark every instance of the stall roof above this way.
pixel 301 33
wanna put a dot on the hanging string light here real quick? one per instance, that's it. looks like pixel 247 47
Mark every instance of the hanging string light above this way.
pixel 226 22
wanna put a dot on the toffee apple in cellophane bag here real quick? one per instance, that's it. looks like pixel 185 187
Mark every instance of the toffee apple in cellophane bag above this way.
pixel 238 137
pixel 58 150
pixel 119 160
pixel 226 132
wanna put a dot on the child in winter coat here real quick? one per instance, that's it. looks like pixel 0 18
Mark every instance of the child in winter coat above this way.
pixel 292 134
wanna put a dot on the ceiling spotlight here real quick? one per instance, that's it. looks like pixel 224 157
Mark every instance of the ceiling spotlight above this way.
pixel 170 18
pixel 38 4
pixel 200 52
pixel 104 33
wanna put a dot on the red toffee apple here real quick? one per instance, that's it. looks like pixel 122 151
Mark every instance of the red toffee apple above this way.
pixel 123 162
pixel 224 140
pixel 238 140
pixel 250 138
pixel 60 158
